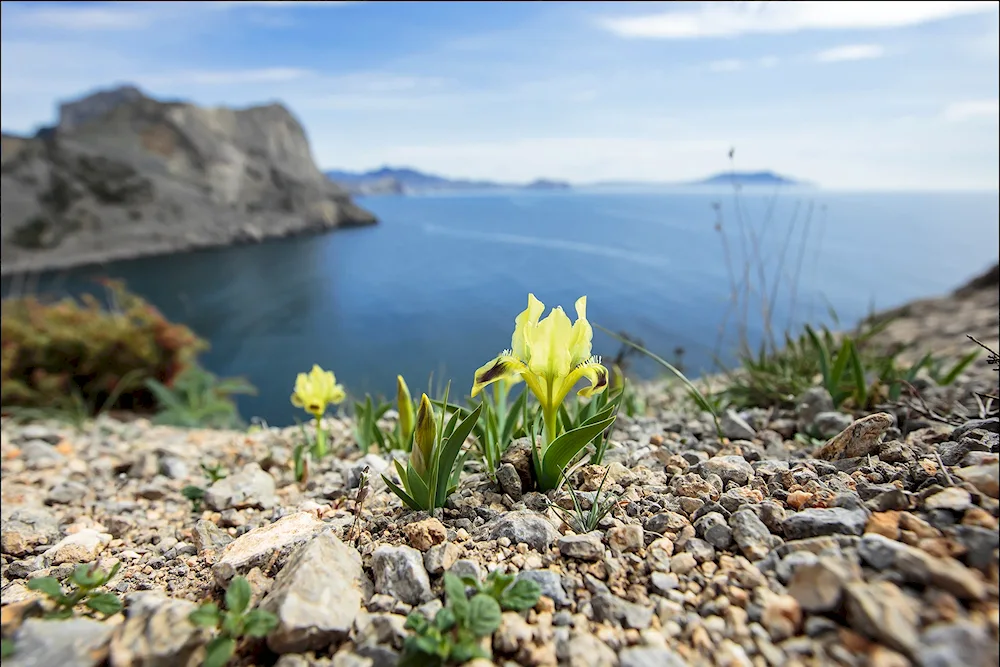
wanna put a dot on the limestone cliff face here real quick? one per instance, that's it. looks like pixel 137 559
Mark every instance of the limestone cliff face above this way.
pixel 124 175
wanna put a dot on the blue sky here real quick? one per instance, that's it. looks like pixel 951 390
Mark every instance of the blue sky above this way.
pixel 852 95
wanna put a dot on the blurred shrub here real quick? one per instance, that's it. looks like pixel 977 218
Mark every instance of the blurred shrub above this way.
pixel 77 356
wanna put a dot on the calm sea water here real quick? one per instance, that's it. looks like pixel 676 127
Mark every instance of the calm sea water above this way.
pixel 436 286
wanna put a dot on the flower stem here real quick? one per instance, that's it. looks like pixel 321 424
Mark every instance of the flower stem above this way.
pixel 321 448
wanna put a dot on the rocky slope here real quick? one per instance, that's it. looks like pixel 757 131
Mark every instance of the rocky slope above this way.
pixel 124 175
pixel 756 549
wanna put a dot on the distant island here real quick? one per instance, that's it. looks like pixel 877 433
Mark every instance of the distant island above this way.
pixel 404 180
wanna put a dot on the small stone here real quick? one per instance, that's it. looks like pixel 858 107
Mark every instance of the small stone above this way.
pixel 883 612
pixel 587 547
pixel 610 608
pixel 984 477
pixel 624 539
pixel 884 523
pixel 209 539
pixel 683 563
pixel 826 521
pixel 26 528
pixel 818 587
pixel 75 642
pixel 509 480
pixel 658 554
pixel 268 545
pixel 157 632
pixel 424 534
pixel 81 547
pixel 663 582
pixel 399 572
pixel 316 596
pixel 524 526
pixel 250 487
pixel 441 557
pixel 730 468
pixel 550 584
pixel 960 643
pixel 650 656
pixel 66 493
pixel 466 568
pixel 585 650
pixel 750 534
pixel 712 528
pixel 830 423
pixel 952 498
pixel 735 427
pixel 781 617
pixel 920 567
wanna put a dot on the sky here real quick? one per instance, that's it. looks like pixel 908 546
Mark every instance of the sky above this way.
pixel 849 95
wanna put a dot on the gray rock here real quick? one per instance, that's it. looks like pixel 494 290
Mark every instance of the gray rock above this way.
pixel 712 528
pixel 818 587
pixel 735 427
pixel 584 650
pixel 824 521
pixel 317 596
pixel 209 538
pixel 588 547
pixel 884 613
pixel 441 557
pixel 66 493
pixel 730 468
pixel 917 566
pixel 26 528
pixel 613 609
pixel 830 423
pixel 399 572
pixel 650 656
pixel 663 582
pixel 980 544
pixel 550 583
pixel 960 643
pixel 811 403
pixel 466 568
pixel 250 487
pixel 952 498
pixel 40 454
pixel 151 176
pixel 31 432
pixel 80 547
pixel 524 526
pixel 75 642
pixel 157 633
pixel 268 545
pixel 750 534
pixel 173 467
pixel 509 480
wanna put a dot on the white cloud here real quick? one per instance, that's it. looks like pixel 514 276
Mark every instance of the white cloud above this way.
pixel 729 19
pixel 84 19
pixel 850 52
pixel 768 61
pixel 972 109
pixel 729 65
pixel 231 77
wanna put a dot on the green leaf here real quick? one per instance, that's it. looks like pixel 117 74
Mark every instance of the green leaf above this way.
pixel 218 652
pixel 497 582
pixel 466 650
pixel 454 591
pixel 192 492
pixel 445 619
pixel 558 454
pixel 238 595
pixel 205 616
pixel 484 615
pixel 418 487
pixel 416 621
pixel 6 648
pixel 957 369
pixel 860 384
pixel 521 596
pixel 48 585
pixel 104 603
pixel 403 495
pixel 258 623
pixel 450 452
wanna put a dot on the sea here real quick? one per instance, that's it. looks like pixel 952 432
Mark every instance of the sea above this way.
pixel 431 292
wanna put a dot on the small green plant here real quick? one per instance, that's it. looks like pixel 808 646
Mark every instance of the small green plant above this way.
pixel 84 582
pixel 6 648
pixel 551 355
pixel 584 521
pixel 231 625
pixel 197 398
pixel 359 504
pixel 366 417
pixel 456 634
pixel 212 473
pixel 434 465
pixel 314 392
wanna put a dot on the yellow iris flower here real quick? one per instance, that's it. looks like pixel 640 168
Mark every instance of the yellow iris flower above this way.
pixel 315 390
pixel 551 355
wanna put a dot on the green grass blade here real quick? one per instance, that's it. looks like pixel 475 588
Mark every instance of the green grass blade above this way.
pixel 450 452
pixel 957 369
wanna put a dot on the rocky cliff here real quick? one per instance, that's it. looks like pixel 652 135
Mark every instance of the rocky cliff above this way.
pixel 123 175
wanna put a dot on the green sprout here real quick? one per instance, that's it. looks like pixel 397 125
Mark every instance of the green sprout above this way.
pixel 366 416
pixel 235 622
pixel 585 521
pixel 432 471
pixel 212 473
pixel 455 634
pixel 84 582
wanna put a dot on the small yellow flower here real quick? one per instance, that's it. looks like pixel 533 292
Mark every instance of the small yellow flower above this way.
pixel 424 438
pixel 315 390
pixel 551 356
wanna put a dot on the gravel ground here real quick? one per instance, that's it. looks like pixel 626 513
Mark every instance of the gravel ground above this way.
pixel 743 550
